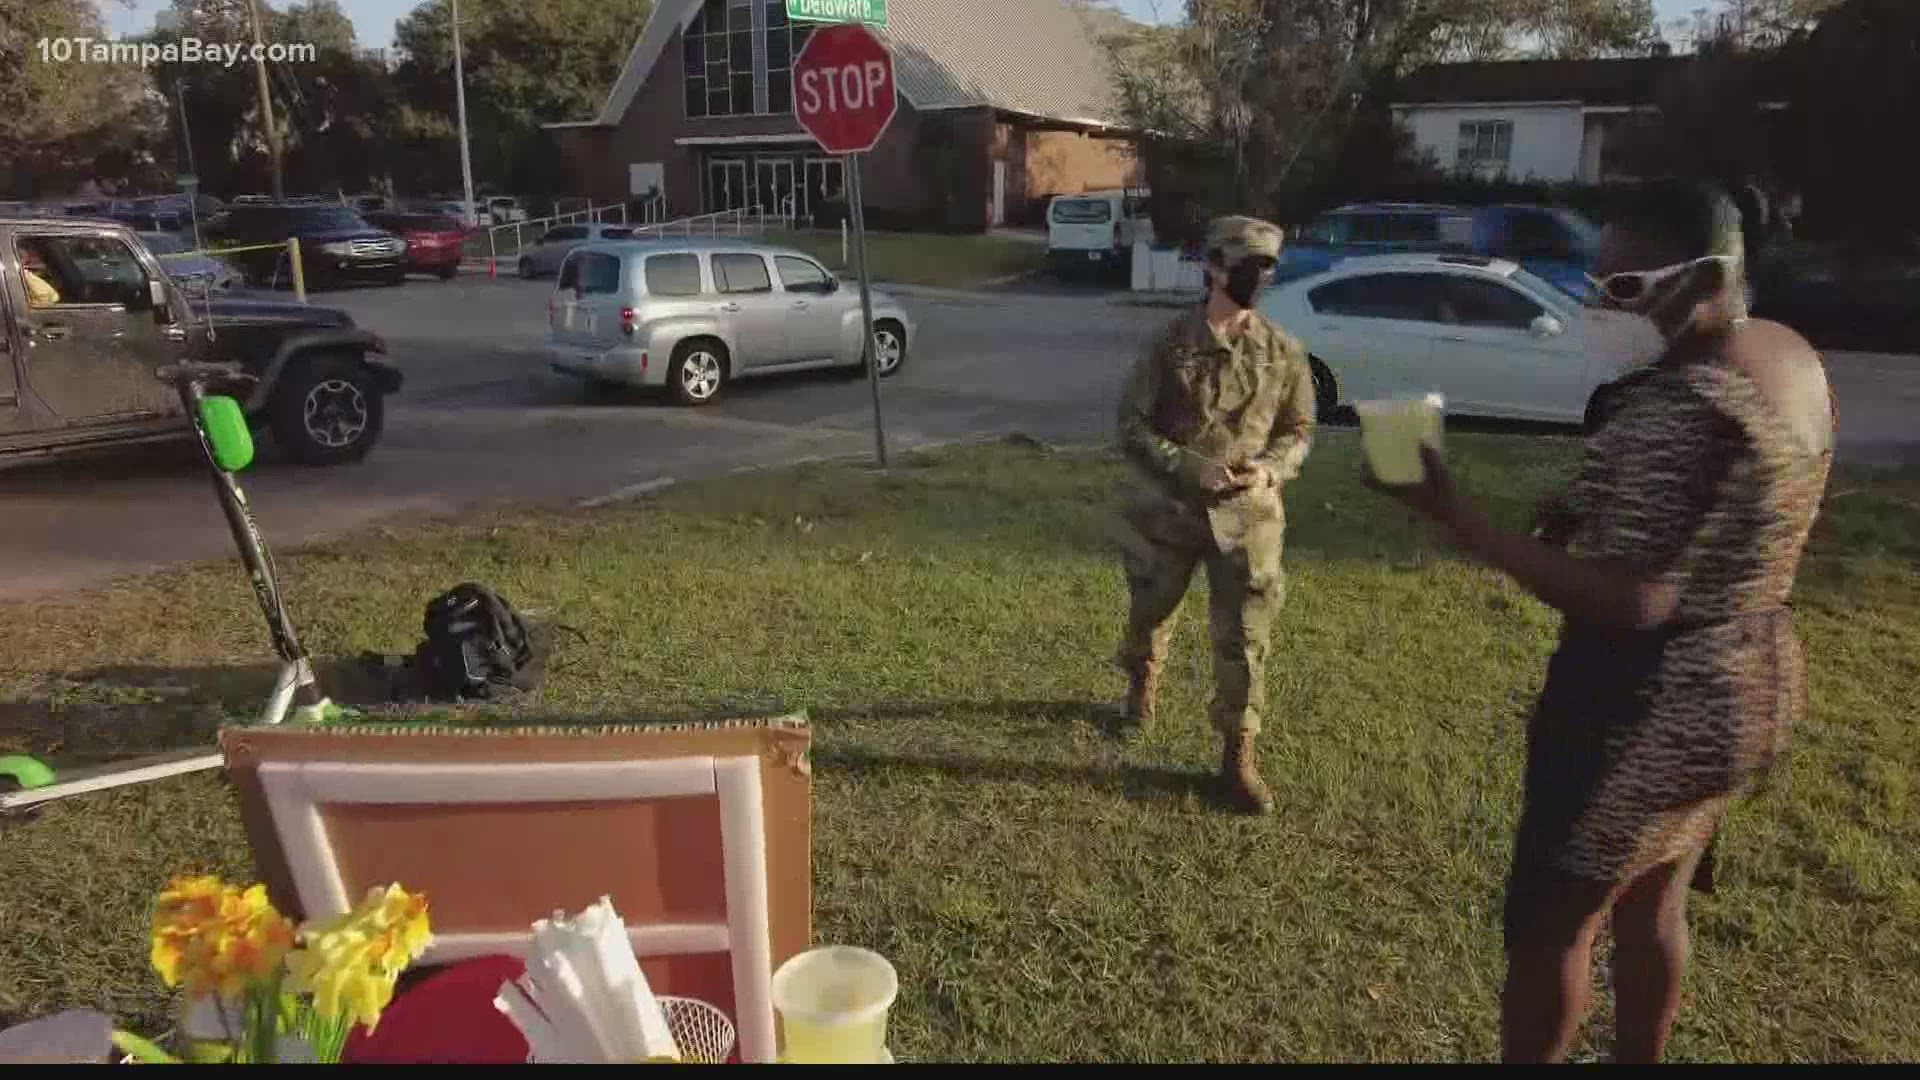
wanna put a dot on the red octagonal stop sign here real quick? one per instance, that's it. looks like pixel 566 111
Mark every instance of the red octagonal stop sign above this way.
pixel 843 89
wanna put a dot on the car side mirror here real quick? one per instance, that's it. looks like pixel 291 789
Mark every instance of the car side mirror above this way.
pixel 1547 326
pixel 832 285
pixel 157 295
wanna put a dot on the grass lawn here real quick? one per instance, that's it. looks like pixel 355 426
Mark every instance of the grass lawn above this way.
pixel 1046 891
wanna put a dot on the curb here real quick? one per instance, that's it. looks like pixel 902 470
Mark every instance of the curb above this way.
pixel 648 487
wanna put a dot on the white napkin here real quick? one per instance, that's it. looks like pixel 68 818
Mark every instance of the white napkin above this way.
pixel 583 997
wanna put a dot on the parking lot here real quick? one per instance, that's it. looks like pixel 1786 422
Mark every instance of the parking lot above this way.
pixel 482 419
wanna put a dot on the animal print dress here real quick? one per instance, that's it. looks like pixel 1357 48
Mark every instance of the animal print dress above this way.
pixel 1641 738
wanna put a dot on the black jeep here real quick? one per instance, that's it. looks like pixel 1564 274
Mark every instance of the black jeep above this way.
pixel 87 316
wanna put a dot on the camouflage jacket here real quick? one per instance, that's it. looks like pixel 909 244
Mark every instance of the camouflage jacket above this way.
pixel 1197 397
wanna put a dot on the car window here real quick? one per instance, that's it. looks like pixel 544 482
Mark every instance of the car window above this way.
pixel 1368 229
pixel 1531 234
pixel 673 275
pixel 164 244
pixel 1082 212
pixel 1412 297
pixel 333 217
pixel 1473 302
pixel 800 275
pixel 1326 229
pixel 615 232
pixel 1413 229
pixel 83 270
pixel 570 273
pixel 741 274
pixel 599 273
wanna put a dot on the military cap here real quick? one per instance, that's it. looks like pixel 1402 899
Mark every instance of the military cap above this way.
pixel 1236 238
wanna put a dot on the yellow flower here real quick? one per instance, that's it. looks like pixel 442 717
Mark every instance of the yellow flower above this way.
pixel 350 964
pixel 216 938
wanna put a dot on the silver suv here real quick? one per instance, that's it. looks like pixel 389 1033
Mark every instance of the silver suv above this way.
pixel 693 315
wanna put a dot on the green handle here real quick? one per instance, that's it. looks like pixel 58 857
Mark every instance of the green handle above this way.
pixel 227 432
pixel 26 772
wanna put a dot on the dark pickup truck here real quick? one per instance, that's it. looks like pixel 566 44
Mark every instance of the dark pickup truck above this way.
pixel 87 316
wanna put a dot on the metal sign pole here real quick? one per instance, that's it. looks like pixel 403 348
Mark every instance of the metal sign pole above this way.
pixel 856 205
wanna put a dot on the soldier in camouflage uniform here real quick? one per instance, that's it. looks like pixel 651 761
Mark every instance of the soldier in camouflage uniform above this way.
pixel 1216 417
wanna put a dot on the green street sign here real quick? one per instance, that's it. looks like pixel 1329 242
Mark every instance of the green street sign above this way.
pixel 187 181
pixel 871 12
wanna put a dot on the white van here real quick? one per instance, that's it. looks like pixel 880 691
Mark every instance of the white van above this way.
pixel 1093 232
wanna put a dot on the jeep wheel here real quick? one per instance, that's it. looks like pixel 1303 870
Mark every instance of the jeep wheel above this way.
pixel 525 266
pixel 327 410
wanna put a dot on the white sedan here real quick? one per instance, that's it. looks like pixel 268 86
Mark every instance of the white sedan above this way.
pixel 1493 338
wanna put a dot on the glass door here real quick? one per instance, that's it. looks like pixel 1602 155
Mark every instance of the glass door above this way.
pixel 775 192
pixel 727 185
pixel 826 183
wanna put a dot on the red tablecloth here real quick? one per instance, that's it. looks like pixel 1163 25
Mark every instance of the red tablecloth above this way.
pixel 447 1018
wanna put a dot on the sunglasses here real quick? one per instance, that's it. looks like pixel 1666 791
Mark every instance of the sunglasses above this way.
pixel 1634 285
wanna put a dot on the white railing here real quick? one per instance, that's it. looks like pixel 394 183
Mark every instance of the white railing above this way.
pixel 723 223
pixel 744 222
pixel 538 225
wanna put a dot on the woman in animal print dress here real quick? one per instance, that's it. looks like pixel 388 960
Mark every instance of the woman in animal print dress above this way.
pixel 1672 557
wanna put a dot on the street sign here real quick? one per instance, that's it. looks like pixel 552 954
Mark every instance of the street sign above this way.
pixel 844 96
pixel 843 88
pixel 871 12
pixel 187 181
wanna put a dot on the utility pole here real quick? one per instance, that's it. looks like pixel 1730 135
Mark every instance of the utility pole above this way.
pixel 186 133
pixel 460 104
pixel 266 99
pixel 186 138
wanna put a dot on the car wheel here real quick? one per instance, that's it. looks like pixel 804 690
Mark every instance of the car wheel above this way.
pixel 889 346
pixel 699 371
pixel 1326 392
pixel 447 272
pixel 525 267
pixel 399 278
pixel 327 410
pixel 1598 406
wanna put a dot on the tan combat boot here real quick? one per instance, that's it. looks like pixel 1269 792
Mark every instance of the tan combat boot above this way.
pixel 1246 791
pixel 1143 695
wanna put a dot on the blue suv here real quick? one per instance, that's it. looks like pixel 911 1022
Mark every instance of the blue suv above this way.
pixel 1556 244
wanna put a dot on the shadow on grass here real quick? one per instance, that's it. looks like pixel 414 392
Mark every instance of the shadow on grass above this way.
pixel 1138 783
pixel 1102 716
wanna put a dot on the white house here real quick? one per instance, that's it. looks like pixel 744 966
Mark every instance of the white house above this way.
pixel 1532 119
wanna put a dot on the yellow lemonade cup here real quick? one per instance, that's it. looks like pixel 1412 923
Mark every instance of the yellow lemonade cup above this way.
pixel 1391 433
pixel 833 1004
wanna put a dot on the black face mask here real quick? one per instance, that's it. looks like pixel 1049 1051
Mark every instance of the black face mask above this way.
pixel 1245 280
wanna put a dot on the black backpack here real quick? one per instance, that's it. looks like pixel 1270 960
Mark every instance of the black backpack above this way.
pixel 477 648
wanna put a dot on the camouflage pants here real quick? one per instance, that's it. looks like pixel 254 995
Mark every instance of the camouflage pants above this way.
pixel 1240 543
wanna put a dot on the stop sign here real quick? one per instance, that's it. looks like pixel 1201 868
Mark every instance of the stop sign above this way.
pixel 843 90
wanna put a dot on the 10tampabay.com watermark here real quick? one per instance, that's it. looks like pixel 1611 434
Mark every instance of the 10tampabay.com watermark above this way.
pixel 186 50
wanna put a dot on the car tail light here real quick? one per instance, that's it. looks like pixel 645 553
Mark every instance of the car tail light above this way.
pixel 626 323
pixel 643 363
pixel 1116 236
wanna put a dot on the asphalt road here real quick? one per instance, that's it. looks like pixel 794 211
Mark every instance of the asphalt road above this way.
pixel 482 419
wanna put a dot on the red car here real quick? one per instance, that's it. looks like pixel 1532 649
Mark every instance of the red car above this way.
pixel 433 241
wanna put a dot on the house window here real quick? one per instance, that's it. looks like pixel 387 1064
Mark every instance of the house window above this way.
pixel 1485 144
pixel 784 39
pixel 717 52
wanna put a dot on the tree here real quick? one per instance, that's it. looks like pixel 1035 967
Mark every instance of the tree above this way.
pixel 62 123
pixel 527 62
pixel 1857 86
pixel 1763 24
pixel 1248 104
